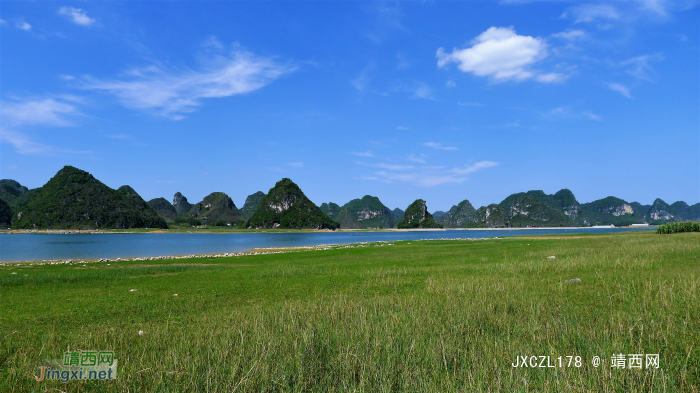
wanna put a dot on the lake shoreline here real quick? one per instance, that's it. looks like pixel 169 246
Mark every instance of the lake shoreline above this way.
pixel 54 248
pixel 254 251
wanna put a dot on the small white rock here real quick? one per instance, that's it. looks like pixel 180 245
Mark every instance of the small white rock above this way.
pixel 14 272
pixel 132 290
pixel 552 257
pixel 175 294
pixel 140 332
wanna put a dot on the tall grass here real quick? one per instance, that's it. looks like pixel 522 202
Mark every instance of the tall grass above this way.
pixel 678 227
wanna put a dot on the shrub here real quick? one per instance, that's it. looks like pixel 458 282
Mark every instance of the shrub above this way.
pixel 678 227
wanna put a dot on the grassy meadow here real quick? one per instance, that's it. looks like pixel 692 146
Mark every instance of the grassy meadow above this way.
pixel 417 316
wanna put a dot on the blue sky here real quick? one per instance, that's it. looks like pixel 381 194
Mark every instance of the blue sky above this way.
pixel 442 101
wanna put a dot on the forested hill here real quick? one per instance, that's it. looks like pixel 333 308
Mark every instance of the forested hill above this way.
pixel 75 199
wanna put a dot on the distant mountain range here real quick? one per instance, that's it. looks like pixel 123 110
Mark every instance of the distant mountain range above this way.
pixel 75 199
pixel 537 209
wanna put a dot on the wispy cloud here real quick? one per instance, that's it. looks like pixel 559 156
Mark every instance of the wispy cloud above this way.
pixel 403 62
pixel 592 12
pixel 24 145
pixel 639 67
pixel 591 115
pixel 567 112
pixel 363 154
pixel 122 137
pixel 438 146
pixel 499 53
pixel 295 164
pixel 39 111
pixel 552 77
pixel 462 103
pixel 417 158
pixel 21 24
pixel 418 90
pixel 467 169
pixel 620 89
pixel 387 20
pixel 213 42
pixel 657 7
pixel 402 128
pixel 361 81
pixel 391 167
pixel 76 15
pixel 36 111
pixel 429 176
pixel 173 92
pixel 571 34
pixel 451 84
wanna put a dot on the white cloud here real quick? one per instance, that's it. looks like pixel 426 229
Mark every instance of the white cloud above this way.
pixel 570 35
pixel 451 84
pixel 20 24
pixel 551 78
pixel 76 15
pixel 296 164
pixel 173 92
pixel 620 89
pixel 498 53
pixel 3 22
pixel 639 67
pixel 438 146
pixel 38 111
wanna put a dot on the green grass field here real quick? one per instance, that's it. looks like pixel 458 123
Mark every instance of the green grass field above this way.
pixel 428 316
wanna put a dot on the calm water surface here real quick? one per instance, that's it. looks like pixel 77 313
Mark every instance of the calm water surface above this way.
pixel 32 247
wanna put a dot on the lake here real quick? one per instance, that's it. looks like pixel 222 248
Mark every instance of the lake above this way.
pixel 34 247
